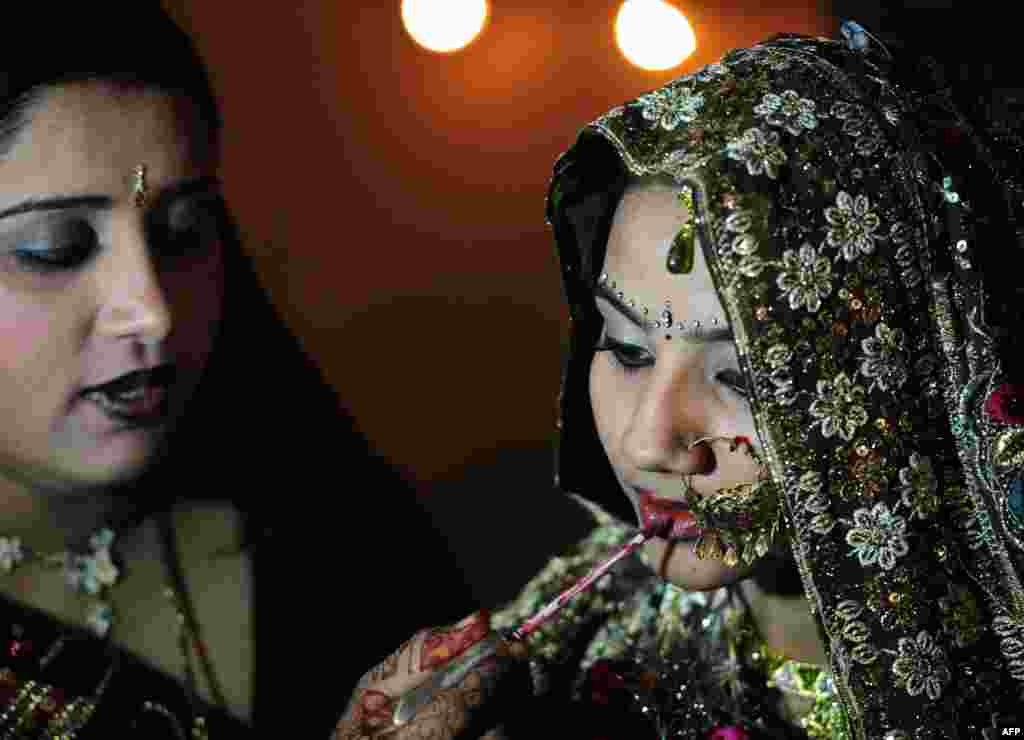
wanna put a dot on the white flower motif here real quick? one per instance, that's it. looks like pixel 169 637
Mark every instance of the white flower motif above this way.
pixel 759 150
pixel 853 225
pixel 805 278
pixel 10 553
pixel 921 666
pixel 884 360
pixel 788 111
pixel 918 485
pixel 671 106
pixel 878 536
pixel 839 407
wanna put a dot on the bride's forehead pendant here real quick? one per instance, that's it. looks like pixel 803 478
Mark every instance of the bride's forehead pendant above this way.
pixel 681 253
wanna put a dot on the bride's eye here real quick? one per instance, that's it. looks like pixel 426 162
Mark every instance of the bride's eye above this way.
pixel 734 381
pixel 629 357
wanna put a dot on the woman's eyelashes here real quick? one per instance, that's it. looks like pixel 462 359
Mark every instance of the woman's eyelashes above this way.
pixel 631 357
pixel 733 380
pixel 70 245
pixel 627 357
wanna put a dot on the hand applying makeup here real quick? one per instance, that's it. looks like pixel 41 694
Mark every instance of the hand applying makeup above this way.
pixel 454 675
pixel 461 706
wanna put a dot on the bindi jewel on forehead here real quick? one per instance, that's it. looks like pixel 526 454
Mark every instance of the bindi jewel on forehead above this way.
pixel 665 319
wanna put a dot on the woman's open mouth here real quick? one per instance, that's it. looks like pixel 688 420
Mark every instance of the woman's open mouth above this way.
pixel 652 508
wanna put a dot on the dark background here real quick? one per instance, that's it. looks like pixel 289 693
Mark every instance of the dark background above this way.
pixel 392 199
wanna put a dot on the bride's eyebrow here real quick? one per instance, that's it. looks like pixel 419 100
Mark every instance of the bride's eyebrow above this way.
pixel 603 291
pixel 693 332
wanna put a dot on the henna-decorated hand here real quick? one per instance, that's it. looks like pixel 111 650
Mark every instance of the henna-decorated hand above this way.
pixel 470 709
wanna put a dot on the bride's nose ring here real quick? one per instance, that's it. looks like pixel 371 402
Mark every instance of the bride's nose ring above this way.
pixel 734 442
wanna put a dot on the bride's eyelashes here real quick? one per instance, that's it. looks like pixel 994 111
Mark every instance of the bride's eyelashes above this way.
pixel 631 357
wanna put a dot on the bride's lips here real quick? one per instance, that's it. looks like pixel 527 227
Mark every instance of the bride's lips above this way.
pixel 652 507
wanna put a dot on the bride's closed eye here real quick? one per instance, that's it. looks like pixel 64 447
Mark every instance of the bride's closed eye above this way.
pixel 733 380
pixel 628 357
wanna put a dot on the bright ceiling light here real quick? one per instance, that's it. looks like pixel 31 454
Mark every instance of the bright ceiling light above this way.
pixel 653 34
pixel 444 25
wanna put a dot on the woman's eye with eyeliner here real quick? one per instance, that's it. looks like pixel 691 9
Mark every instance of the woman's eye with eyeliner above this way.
pixel 629 357
pixel 69 251
pixel 734 381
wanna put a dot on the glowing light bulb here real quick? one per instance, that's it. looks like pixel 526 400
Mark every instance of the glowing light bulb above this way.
pixel 653 34
pixel 444 25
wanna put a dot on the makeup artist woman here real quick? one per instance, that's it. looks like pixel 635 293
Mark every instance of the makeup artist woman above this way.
pixel 794 334
pixel 169 565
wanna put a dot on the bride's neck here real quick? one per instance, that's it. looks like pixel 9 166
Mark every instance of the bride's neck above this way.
pixel 785 623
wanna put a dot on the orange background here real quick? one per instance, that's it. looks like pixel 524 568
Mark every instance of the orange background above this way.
pixel 393 198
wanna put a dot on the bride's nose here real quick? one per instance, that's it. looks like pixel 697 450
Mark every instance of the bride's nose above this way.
pixel 672 413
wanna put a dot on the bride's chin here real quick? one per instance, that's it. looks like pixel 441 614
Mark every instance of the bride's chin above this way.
pixel 678 564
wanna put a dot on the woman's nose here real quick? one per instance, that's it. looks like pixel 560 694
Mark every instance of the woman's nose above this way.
pixel 132 301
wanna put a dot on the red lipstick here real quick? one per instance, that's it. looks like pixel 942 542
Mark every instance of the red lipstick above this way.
pixel 653 508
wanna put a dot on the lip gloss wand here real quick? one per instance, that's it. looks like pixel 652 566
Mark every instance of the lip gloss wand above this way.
pixel 507 643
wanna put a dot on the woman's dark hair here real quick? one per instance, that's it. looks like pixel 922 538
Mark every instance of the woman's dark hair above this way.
pixel 139 45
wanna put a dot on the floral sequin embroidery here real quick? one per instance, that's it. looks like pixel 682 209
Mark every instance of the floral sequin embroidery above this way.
pixel 878 536
pixel 921 666
pixel 788 111
pixel 884 360
pixel 805 278
pixel 839 408
pixel 760 151
pixel 671 106
pixel 853 225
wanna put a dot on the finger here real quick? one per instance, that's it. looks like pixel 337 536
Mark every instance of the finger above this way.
pixel 373 703
pixel 467 710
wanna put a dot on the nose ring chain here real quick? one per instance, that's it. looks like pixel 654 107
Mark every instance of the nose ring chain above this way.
pixel 739 522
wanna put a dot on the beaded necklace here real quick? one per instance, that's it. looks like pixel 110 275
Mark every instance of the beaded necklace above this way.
pixel 93 575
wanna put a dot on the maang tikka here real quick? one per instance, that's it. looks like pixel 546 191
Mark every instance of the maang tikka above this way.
pixel 683 250
pixel 140 191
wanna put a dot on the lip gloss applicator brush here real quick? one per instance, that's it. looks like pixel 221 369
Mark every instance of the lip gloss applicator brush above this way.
pixel 509 643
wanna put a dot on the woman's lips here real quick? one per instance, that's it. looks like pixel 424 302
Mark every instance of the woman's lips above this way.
pixel 652 508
